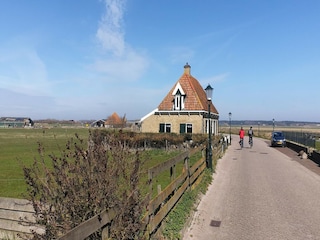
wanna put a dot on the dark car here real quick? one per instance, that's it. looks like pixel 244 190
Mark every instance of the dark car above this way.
pixel 278 139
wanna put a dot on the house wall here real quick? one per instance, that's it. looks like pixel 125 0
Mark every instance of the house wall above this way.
pixel 151 124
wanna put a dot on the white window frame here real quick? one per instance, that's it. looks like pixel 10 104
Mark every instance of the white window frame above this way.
pixel 179 97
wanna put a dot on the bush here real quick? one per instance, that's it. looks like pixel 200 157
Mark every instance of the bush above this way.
pixel 157 140
pixel 85 180
pixel 91 176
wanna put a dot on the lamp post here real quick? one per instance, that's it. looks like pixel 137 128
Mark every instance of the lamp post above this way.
pixel 273 124
pixel 230 114
pixel 209 90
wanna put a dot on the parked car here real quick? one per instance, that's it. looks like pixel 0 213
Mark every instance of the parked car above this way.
pixel 278 139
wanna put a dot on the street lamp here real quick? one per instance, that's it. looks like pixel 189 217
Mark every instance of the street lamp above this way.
pixel 230 114
pixel 209 91
pixel 273 123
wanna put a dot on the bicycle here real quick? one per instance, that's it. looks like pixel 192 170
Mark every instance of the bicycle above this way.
pixel 241 142
pixel 250 141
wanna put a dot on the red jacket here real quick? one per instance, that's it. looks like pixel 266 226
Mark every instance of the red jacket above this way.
pixel 241 133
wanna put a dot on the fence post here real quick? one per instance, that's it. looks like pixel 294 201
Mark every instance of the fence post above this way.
pixel 187 167
pixel 105 233
pixel 150 182
pixel 172 173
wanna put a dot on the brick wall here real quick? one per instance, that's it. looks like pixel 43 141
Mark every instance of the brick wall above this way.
pixel 151 124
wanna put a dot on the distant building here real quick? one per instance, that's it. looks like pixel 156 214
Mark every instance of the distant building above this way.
pixel 98 123
pixel 16 122
pixel 183 110
pixel 113 121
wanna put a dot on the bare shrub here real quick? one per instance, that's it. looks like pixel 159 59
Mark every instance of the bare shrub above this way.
pixel 84 180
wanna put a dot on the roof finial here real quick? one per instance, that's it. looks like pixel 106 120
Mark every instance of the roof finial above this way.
pixel 187 68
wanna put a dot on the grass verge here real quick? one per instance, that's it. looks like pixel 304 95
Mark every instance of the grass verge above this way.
pixel 177 218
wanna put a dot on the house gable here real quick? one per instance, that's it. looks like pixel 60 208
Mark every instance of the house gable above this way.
pixel 191 93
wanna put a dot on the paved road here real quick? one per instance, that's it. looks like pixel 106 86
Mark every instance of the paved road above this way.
pixel 259 194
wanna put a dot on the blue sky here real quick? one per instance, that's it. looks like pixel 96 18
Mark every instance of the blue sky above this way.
pixel 85 59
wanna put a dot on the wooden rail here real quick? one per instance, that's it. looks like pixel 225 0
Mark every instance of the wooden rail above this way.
pixel 15 218
pixel 159 206
pixel 90 226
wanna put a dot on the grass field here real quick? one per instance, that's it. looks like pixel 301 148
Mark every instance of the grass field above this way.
pixel 19 146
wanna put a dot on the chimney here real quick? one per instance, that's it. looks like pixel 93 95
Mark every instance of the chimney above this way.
pixel 187 69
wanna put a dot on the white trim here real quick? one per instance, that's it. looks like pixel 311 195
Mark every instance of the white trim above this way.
pixel 178 87
pixel 178 98
pixel 148 115
pixel 177 112
pixel 186 111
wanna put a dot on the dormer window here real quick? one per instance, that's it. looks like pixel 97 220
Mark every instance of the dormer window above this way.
pixel 179 97
pixel 178 101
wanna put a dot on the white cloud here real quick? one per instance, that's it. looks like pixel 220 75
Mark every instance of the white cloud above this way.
pixel 128 68
pixel 118 60
pixel 110 33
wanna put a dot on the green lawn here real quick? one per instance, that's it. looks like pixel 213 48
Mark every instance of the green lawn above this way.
pixel 19 146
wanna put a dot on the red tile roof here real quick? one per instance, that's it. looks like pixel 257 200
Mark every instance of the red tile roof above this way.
pixel 196 98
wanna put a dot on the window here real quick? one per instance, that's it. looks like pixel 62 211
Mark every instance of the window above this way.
pixel 165 128
pixel 212 124
pixel 189 128
pixel 178 101
pixel 207 122
pixel 179 97
pixel 185 128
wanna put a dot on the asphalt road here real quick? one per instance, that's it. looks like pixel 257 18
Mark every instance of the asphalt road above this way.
pixel 259 193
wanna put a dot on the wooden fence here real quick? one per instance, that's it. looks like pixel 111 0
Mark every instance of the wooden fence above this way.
pixel 159 206
pixel 15 216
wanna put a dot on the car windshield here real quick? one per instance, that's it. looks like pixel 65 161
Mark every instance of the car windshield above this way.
pixel 277 134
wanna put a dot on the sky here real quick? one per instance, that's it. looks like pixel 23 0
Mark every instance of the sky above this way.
pixel 86 59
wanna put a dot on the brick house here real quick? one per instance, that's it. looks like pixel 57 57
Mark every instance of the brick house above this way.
pixel 183 110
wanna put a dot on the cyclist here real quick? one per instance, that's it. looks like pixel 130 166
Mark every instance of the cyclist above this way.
pixel 241 134
pixel 250 134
